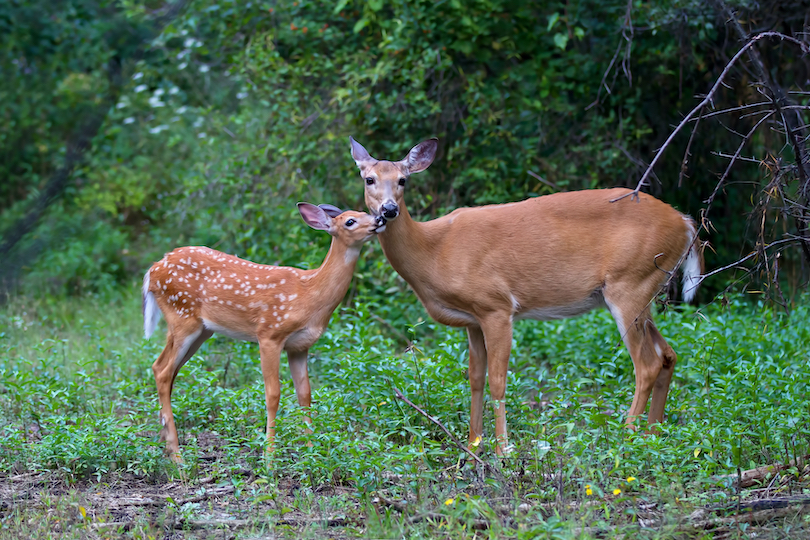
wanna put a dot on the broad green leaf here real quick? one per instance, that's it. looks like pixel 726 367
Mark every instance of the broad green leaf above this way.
pixel 561 40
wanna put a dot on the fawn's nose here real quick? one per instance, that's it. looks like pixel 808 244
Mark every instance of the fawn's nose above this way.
pixel 390 210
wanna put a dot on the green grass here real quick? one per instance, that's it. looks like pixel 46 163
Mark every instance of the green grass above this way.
pixel 78 423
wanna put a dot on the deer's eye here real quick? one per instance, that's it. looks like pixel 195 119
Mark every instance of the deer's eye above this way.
pixel 402 181
pixel 370 181
pixel 350 222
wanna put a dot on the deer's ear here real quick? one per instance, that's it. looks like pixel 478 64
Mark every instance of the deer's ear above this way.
pixel 314 216
pixel 359 154
pixel 421 156
pixel 331 211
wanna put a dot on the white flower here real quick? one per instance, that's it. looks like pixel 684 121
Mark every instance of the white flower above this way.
pixel 198 122
pixel 204 68
pixel 188 43
pixel 181 110
pixel 157 129
pixel 137 76
pixel 174 90
pixel 120 105
pixel 154 101
pixel 202 135
pixel 241 95
pixel 159 92
pixel 129 120
pixel 183 65
pixel 140 88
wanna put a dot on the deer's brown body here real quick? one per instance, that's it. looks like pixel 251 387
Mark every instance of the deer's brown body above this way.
pixel 548 257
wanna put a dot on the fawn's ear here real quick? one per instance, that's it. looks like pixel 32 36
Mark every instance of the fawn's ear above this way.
pixel 314 216
pixel 331 211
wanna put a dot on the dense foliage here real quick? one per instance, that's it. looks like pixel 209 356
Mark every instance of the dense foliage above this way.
pixel 227 112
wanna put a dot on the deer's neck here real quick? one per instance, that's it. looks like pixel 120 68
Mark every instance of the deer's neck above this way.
pixel 411 247
pixel 330 282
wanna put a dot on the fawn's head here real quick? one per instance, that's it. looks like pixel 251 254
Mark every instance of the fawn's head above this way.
pixel 351 228
pixel 385 180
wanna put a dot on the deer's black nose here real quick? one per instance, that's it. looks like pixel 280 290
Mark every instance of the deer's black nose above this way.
pixel 390 210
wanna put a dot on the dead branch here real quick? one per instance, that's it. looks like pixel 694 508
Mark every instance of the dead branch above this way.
pixel 755 516
pixel 452 437
pixel 549 183
pixel 478 524
pixel 745 140
pixel 627 36
pixel 751 255
pixel 708 101
pixel 687 153
pixel 753 476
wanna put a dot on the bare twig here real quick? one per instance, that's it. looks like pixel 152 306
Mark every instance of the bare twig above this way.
pixel 707 101
pixel 747 257
pixel 745 140
pixel 627 36
pixel 433 419
pixel 549 183
pixel 687 152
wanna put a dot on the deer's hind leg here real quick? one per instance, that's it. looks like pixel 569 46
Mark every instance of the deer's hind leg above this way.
pixel 300 377
pixel 653 359
pixel 182 341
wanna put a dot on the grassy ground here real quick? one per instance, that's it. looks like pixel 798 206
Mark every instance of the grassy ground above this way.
pixel 79 456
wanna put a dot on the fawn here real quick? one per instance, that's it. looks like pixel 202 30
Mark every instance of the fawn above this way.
pixel 201 291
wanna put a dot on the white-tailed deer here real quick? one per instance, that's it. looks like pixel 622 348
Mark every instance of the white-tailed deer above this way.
pixel 201 291
pixel 548 257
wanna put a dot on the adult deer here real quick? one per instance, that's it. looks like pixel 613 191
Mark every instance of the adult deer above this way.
pixel 201 291
pixel 548 257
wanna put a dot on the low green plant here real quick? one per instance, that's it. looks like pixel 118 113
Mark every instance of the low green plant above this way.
pixel 77 400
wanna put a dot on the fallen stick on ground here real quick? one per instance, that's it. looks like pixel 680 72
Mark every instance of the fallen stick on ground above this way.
pixel 447 431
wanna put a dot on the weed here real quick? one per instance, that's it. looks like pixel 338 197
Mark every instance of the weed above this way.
pixel 79 404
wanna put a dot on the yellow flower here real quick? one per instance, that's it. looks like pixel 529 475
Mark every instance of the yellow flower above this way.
pixel 382 403
pixel 588 490
pixel 617 491
pixel 449 501
pixel 630 479
pixel 476 442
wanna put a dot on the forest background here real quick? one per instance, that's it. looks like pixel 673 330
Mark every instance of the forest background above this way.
pixel 132 127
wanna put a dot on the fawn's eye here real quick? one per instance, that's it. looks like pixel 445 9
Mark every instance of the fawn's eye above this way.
pixel 350 222
pixel 402 181
pixel 370 181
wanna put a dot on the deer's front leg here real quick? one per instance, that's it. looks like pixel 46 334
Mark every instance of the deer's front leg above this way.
pixel 300 377
pixel 497 329
pixel 270 350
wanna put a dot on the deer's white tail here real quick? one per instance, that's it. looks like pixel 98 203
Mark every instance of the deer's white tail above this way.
pixel 692 265
pixel 151 312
